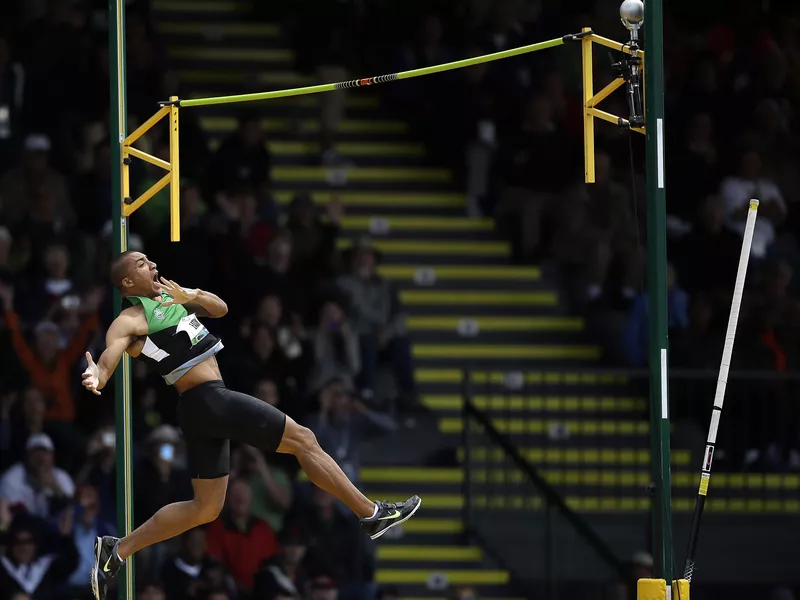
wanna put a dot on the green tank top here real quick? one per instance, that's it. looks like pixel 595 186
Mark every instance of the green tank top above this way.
pixel 176 340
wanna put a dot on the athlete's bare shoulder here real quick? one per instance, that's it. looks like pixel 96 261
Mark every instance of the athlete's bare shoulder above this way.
pixel 130 322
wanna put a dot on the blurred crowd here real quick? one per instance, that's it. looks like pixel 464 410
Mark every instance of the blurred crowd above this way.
pixel 512 132
pixel 317 331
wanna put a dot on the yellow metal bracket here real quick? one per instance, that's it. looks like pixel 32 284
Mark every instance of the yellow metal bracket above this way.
pixel 591 100
pixel 172 168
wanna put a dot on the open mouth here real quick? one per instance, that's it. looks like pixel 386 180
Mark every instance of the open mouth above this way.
pixel 155 276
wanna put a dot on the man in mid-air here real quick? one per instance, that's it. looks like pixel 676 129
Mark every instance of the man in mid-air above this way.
pixel 160 324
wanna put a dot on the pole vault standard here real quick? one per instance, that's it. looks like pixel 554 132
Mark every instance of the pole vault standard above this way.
pixel 169 108
pixel 631 75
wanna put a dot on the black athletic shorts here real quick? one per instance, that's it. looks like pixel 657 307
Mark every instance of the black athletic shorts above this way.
pixel 211 415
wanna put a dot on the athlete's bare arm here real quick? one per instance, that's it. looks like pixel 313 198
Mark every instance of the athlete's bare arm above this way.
pixel 126 328
pixel 199 302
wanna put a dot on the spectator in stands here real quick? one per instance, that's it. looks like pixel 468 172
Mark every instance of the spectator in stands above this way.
pixel 94 190
pixel 287 329
pixel 636 332
pixel 240 540
pixel 31 569
pixel 256 230
pixel 218 594
pixel 737 191
pixel 244 232
pixel 99 471
pixel 376 317
pixel 6 266
pixel 144 71
pixel 181 574
pixel 279 277
pixel 500 30
pixel 343 422
pixel 776 143
pixel 50 368
pixel 271 488
pixel 694 174
pixel 243 158
pixel 597 231
pixel 12 96
pixel 313 240
pixel 88 527
pixel 159 482
pixel 36 485
pixel 267 391
pixel 708 256
pixel 533 166
pixel 266 359
pixel 15 432
pixel 17 186
pixel 463 592
pixel 323 587
pixel 478 131
pixel 329 54
pixel 284 574
pixel 338 549
pixel 426 102
pixel 56 284
pixel 216 577
pixel 185 574
pixel 336 347
pixel 151 590
pixel 698 345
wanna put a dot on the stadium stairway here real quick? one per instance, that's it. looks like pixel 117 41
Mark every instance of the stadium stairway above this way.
pixel 466 307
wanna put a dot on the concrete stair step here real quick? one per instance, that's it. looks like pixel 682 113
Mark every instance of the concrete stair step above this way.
pixel 208 31
pixel 203 10
pixel 384 202
pixel 543 406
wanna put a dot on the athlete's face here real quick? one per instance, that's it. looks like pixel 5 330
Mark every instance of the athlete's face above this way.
pixel 142 278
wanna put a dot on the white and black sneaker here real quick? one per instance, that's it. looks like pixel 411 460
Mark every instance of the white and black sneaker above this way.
pixel 106 564
pixel 388 515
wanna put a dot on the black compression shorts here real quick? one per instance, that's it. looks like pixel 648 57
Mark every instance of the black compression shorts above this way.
pixel 211 415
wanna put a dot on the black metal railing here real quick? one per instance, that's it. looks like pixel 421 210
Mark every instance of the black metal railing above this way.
pixel 519 517
pixel 556 463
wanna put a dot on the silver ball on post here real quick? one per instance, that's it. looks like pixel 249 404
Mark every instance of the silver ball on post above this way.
pixel 631 13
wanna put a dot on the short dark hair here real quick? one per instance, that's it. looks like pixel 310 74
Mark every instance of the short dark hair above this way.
pixel 119 269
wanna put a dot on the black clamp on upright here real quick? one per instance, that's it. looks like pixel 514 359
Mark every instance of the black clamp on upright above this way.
pixel 574 37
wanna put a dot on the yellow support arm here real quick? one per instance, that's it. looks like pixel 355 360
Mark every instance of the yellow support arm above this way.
pixel 591 100
pixel 172 177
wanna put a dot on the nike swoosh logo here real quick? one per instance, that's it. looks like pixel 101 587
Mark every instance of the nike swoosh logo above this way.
pixel 105 567
pixel 392 516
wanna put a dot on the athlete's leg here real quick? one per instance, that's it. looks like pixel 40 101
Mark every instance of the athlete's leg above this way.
pixel 171 520
pixel 321 469
pixel 174 519
pixel 212 412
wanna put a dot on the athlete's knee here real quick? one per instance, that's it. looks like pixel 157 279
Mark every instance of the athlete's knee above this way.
pixel 297 440
pixel 208 507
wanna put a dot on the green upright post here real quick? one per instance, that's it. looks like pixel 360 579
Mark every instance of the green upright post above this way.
pixel 122 377
pixel 657 290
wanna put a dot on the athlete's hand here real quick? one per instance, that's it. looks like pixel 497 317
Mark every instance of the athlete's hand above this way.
pixel 179 295
pixel 91 376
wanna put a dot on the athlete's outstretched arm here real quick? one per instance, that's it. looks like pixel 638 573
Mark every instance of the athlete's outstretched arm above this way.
pixel 200 302
pixel 118 337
